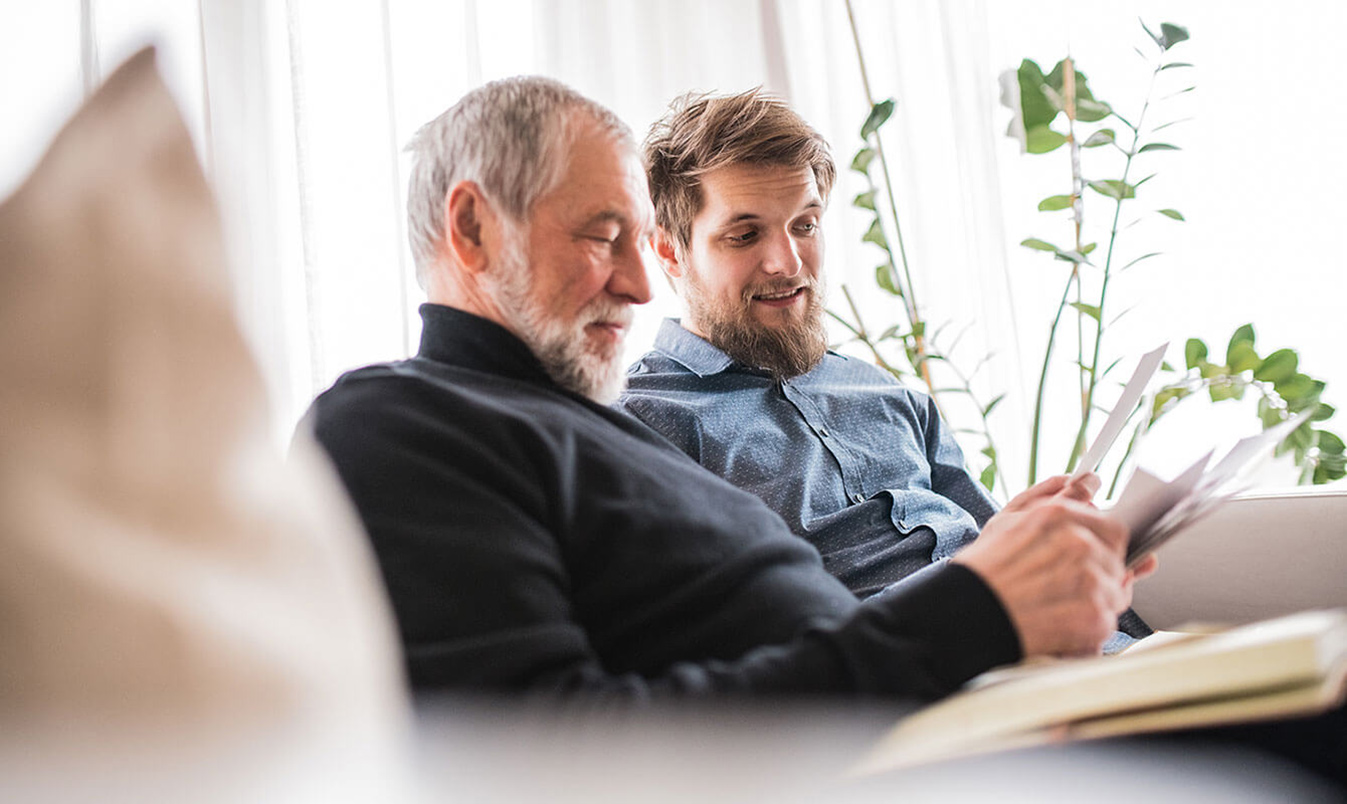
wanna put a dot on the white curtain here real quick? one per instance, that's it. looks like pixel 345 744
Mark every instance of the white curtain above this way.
pixel 301 109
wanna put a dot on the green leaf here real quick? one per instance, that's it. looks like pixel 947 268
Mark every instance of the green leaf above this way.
pixel 1054 203
pixel 1113 188
pixel 1323 413
pixel 1103 136
pixel 1308 400
pixel 1035 109
pixel 1089 110
pixel 1158 39
pixel 1171 123
pixel 990 406
pixel 1166 399
pixel 1268 415
pixel 1174 65
pixel 1297 386
pixel 1087 309
pixel 1277 367
pixel 876 235
pixel 865 200
pixel 1139 259
pixel 988 477
pixel 1226 390
pixel 1330 443
pixel 1164 366
pixel 1171 35
pixel 862 160
pixel 1241 357
pixel 1243 334
pixel 1072 256
pixel 1088 247
pixel 1039 245
pixel 1210 370
pixel 879 113
pixel 1173 213
pixel 1194 352
pixel 1042 140
pixel 1158 146
pixel 884 278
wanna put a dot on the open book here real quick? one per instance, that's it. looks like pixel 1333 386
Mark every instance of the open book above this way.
pixel 1289 666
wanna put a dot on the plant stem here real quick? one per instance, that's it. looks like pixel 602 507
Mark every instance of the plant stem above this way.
pixel 1043 380
pixel 1078 219
pixel 905 283
pixel 1108 265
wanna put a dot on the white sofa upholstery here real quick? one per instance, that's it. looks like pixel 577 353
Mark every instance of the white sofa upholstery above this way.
pixel 1258 556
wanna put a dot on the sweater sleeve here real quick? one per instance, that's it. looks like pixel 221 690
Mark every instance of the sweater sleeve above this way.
pixel 485 600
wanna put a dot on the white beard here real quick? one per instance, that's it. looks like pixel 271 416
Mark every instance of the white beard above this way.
pixel 563 347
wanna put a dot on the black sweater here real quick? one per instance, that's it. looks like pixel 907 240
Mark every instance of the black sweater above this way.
pixel 533 540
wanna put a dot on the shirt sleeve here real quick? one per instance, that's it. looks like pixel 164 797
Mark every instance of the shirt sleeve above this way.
pixel 484 598
pixel 949 472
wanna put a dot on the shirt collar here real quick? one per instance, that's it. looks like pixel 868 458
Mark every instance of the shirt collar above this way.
pixel 689 350
pixel 459 338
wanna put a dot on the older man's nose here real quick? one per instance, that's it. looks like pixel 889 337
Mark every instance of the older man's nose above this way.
pixel 630 280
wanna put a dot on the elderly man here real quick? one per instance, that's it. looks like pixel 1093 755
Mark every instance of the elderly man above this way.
pixel 532 538
pixel 862 468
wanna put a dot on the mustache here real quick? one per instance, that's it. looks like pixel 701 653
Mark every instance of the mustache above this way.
pixel 610 312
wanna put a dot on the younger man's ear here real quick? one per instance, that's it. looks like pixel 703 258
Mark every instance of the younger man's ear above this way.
pixel 666 250
pixel 470 227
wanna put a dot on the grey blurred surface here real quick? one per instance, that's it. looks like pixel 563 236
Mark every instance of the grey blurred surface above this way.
pixel 1257 557
pixel 478 751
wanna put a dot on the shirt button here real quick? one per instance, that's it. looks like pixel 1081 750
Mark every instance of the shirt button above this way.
pixel 823 432
pixel 858 498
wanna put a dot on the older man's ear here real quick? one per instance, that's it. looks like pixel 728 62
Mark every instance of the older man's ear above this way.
pixel 472 230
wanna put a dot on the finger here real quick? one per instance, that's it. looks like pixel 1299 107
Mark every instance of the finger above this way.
pixel 1038 491
pixel 1083 488
pixel 1061 511
pixel 1145 567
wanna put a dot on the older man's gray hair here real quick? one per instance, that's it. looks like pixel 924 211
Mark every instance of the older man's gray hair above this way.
pixel 511 137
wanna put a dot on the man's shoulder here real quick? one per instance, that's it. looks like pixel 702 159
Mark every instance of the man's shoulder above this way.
pixel 422 396
pixel 837 368
pixel 655 366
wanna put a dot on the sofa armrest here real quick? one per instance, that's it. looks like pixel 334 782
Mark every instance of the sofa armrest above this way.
pixel 1258 556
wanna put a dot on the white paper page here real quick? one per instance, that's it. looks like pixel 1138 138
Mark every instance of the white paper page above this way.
pixel 1146 498
pixel 1117 418
pixel 1247 451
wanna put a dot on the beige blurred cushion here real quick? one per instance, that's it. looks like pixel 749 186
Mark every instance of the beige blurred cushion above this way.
pixel 162 568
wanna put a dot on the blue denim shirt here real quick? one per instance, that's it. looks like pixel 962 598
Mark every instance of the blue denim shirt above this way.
pixel 855 463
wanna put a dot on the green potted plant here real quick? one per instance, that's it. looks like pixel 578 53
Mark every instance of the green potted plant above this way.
pixel 1054 110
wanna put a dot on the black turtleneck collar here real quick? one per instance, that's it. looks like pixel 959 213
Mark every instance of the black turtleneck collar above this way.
pixel 458 338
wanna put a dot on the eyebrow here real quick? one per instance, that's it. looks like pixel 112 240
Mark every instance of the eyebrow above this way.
pixel 750 216
pixel 613 216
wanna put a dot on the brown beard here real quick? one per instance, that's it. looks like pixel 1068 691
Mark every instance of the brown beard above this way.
pixel 785 351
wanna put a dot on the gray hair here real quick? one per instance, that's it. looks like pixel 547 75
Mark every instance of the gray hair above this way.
pixel 511 137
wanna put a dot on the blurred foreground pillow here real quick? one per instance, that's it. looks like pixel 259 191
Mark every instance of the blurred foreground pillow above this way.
pixel 164 573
